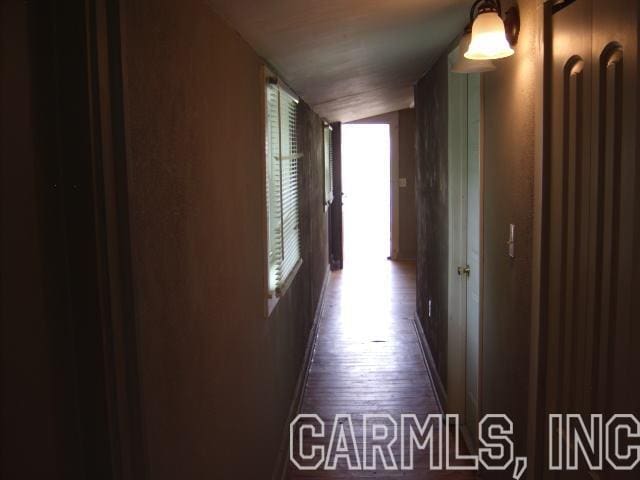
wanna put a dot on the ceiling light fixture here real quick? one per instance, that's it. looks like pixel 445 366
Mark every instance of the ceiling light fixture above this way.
pixel 491 37
pixel 464 65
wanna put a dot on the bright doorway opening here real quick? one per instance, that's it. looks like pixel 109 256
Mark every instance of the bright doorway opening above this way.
pixel 366 173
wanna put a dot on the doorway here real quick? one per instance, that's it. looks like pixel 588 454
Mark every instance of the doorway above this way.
pixel 366 174
pixel 464 341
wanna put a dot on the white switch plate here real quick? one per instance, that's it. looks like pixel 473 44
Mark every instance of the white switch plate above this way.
pixel 402 182
pixel 512 241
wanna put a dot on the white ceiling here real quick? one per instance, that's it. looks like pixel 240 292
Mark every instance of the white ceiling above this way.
pixel 348 59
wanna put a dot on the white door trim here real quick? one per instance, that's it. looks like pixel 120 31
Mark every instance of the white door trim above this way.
pixel 457 191
pixel 460 399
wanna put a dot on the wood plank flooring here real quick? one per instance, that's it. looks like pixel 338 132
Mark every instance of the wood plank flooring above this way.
pixel 367 359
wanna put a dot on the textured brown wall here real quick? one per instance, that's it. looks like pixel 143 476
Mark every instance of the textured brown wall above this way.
pixel 508 198
pixel 217 376
pixel 407 195
pixel 432 209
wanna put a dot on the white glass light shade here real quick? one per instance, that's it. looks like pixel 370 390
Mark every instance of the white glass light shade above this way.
pixel 488 38
pixel 464 65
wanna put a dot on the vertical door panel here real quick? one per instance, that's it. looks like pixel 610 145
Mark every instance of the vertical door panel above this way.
pixel 616 192
pixel 569 211
pixel 473 251
pixel 457 195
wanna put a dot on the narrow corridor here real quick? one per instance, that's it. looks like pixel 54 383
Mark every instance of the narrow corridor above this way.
pixel 368 360
pixel 274 239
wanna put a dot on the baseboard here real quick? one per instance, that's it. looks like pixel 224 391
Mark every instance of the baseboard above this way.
pixel 436 381
pixel 280 470
pixel 400 257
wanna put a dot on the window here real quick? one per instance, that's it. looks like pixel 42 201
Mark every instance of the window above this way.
pixel 328 165
pixel 283 217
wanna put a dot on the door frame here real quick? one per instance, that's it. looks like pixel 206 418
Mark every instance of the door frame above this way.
pixel 123 382
pixel 457 248
pixel 538 334
pixel 101 169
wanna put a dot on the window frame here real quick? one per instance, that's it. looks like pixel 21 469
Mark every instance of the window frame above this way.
pixel 273 295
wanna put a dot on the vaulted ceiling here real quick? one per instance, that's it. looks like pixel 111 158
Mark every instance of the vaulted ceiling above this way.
pixel 349 59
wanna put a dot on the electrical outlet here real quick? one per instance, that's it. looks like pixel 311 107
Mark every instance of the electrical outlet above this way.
pixel 402 182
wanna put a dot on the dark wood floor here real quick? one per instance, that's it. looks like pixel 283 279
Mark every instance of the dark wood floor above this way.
pixel 367 359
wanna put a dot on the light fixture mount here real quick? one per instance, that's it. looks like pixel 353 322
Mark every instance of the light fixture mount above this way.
pixel 511 17
pixel 512 25
pixel 486 6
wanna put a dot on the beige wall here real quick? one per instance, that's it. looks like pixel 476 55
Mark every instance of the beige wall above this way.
pixel 407 195
pixel 508 174
pixel 217 376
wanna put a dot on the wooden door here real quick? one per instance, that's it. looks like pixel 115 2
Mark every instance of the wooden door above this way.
pixel 72 399
pixel 335 209
pixel 592 240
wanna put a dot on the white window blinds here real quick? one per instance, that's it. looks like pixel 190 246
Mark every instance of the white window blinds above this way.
pixel 283 217
pixel 328 166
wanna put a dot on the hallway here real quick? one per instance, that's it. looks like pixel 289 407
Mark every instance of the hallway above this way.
pixel 368 360
pixel 207 272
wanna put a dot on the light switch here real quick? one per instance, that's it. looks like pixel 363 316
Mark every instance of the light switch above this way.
pixel 512 241
pixel 402 182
